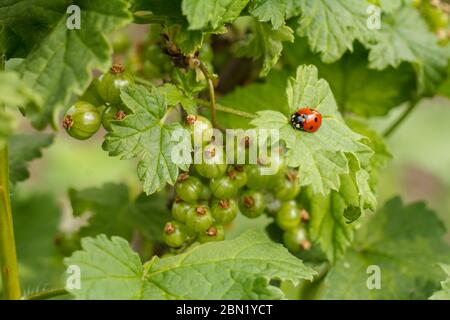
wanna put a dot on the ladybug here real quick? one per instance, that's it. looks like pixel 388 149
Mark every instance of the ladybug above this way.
pixel 306 119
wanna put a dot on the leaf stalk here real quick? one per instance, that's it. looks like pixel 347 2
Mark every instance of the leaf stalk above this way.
pixel 8 256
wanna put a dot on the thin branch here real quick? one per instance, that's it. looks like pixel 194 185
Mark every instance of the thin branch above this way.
pixel 147 17
pixel 144 82
pixel 211 90
pixel 205 103
pixel 47 294
pixel 226 109
pixel 412 105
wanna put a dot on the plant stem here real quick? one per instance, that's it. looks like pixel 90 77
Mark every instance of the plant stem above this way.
pixel 412 105
pixel 205 103
pixel 47 294
pixel 8 257
pixel 212 93
pixel 144 82
pixel 227 109
pixel 147 17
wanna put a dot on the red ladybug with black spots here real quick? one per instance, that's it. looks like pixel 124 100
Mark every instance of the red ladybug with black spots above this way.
pixel 306 119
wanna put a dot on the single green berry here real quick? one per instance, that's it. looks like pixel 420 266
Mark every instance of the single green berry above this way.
pixel 239 175
pixel 112 114
pixel 278 167
pixel 180 209
pixel 206 193
pixel 174 234
pixel 252 203
pixel 245 150
pixel 199 218
pixel 211 161
pixel 91 95
pixel 297 239
pixel 223 187
pixel 201 130
pixel 82 120
pixel 111 83
pixel 288 187
pixel 288 216
pixel 255 180
pixel 224 210
pixel 188 188
pixel 213 233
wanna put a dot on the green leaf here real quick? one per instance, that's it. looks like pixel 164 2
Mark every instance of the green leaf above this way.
pixel 256 97
pixel 112 212
pixel 109 270
pixel 405 37
pixel 211 14
pixel 149 214
pixel 60 63
pixel 391 240
pixel 232 269
pixel 374 141
pixel 269 10
pixel 264 43
pixel 388 5
pixel 331 214
pixel 24 148
pixel 108 209
pixel 13 93
pixel 357 88
pixel 145 136
pixel 176 96
pixel 188 41
pixel 444 293
pixel 332 26
pixel 320 157
pixel 7 126
pixel 328 227
pixel 36 222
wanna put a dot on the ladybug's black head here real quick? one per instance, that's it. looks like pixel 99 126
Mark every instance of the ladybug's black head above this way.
pixel 297 121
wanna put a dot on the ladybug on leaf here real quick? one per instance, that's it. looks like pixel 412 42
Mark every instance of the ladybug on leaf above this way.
pixel 306 119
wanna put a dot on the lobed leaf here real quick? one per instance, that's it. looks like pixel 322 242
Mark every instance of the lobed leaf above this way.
pixel 112 212
pixel 405 37
pixel 145 136
pixel 232 269
pixel 444 293
pixel 60 60
pixel 391 241
pixel 211 14
pixel 24 148
pixel 332 26
pixel 265 43
pixel 13 93
pixel 320 157
pixel 270 10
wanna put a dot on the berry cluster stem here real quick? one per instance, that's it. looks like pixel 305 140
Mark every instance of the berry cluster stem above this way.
pixel 205 103
pixel 412 105
pixel 225 109
pixel 212 93
pixel 8 256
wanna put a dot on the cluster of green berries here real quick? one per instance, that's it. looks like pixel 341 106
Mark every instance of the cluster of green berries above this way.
pixel 213 193
pixel 100 105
